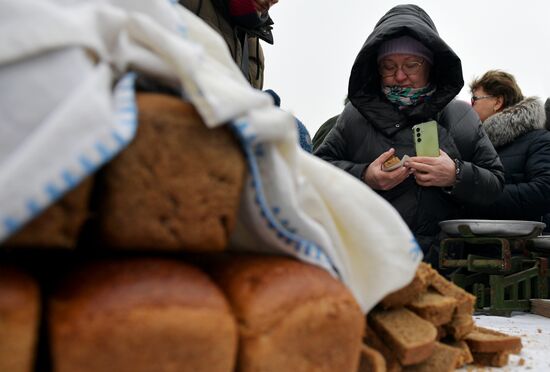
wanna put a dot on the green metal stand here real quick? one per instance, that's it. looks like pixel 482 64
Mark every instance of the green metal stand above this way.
pixel 501 284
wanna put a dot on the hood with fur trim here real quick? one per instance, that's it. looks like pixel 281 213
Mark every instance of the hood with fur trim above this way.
pixel 514 121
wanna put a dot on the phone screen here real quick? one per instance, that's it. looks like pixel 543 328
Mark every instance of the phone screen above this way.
pixel 425 138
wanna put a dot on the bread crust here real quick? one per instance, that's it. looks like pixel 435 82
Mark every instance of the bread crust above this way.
pixel 19 319
pixel 292 315
pixel 141 315
pixel 177 186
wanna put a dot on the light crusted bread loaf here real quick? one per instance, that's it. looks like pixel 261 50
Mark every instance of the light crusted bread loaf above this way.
pixel 19 319
pixel 292 316
pixel 142 314
pixel 176 186
pixel 410 292
pixel 371 360
pixel 434 307
pixel 485 340
pixel 443 359
pixel 408 335
pixel 59 225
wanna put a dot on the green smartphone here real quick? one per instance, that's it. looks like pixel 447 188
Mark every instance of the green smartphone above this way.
pixel 425 138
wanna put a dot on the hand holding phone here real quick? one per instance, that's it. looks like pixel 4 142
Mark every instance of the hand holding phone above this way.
pixel 426 141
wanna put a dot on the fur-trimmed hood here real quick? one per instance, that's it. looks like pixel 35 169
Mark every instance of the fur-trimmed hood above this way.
pixel 514 121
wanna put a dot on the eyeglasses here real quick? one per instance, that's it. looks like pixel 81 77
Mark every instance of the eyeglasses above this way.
pixel 477 98
pixel 387 69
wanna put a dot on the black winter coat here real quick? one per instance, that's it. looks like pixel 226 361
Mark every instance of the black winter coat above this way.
pixel 370 125
pixel 523 145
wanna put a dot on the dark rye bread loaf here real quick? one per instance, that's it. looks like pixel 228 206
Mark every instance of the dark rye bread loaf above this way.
pixel 292 316
pixel 59 225
pixel 141 315
pixel 19 319
pixel 177 186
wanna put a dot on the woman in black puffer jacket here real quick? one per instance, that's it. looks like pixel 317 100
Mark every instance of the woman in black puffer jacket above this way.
pixel 516 127
pixel 406 74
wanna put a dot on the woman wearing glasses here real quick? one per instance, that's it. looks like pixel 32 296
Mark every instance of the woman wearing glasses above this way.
pixel 406 74
pixel 516 127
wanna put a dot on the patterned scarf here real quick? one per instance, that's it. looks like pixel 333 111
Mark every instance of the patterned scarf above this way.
pixel 406 97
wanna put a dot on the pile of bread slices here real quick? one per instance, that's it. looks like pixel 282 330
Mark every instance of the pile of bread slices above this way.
pixel 428 326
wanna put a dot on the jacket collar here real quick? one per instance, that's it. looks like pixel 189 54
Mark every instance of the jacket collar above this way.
pixel 504 127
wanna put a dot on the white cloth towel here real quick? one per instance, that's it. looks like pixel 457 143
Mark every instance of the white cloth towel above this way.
pixel 67 106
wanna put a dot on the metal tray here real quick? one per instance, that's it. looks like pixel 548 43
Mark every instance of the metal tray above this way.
pixel 540 243
pixel 491 228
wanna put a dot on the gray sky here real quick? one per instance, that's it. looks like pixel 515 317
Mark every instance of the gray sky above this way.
pixel 316 43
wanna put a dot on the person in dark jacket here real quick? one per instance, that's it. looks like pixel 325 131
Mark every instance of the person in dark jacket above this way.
pixel 325 128
pixel 515 126
pixel 406 74
pixel 242 24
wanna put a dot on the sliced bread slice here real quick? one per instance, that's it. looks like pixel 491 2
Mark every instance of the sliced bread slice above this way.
pixel 485 340
pixel 371 360
pixel 434 307
pixel 465 300
pixel 460 325
pixel 499 359
pixel 411 291
pixel 466 355
pixel 374 341
pixel 408 335
pixel 443 359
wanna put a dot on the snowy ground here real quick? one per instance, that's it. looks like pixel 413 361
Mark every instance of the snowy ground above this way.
pixel 535 335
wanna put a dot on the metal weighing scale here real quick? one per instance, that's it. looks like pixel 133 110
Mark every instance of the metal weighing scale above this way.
pixel 503 263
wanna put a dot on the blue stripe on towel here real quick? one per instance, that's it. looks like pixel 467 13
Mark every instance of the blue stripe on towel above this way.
pixel 301 246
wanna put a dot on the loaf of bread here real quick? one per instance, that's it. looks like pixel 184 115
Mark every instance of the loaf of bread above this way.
pixel 59 225
pixel 292 316
pixel 141 315
pixel 410 292
pixel 177 186
pixel 19 319
pixel 409 336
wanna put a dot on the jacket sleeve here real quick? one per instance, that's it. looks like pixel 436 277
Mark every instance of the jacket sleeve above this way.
pixel 334 149
pixel 532 197
pixel 481 179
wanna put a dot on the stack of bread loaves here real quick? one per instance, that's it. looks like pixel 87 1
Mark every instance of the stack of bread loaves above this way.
pixel 163 293
pixel 428 326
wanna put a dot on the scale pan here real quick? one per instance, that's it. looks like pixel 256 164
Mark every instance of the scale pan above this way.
pixel 492 228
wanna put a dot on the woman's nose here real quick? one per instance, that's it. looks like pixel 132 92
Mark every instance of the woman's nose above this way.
pixel 400 75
